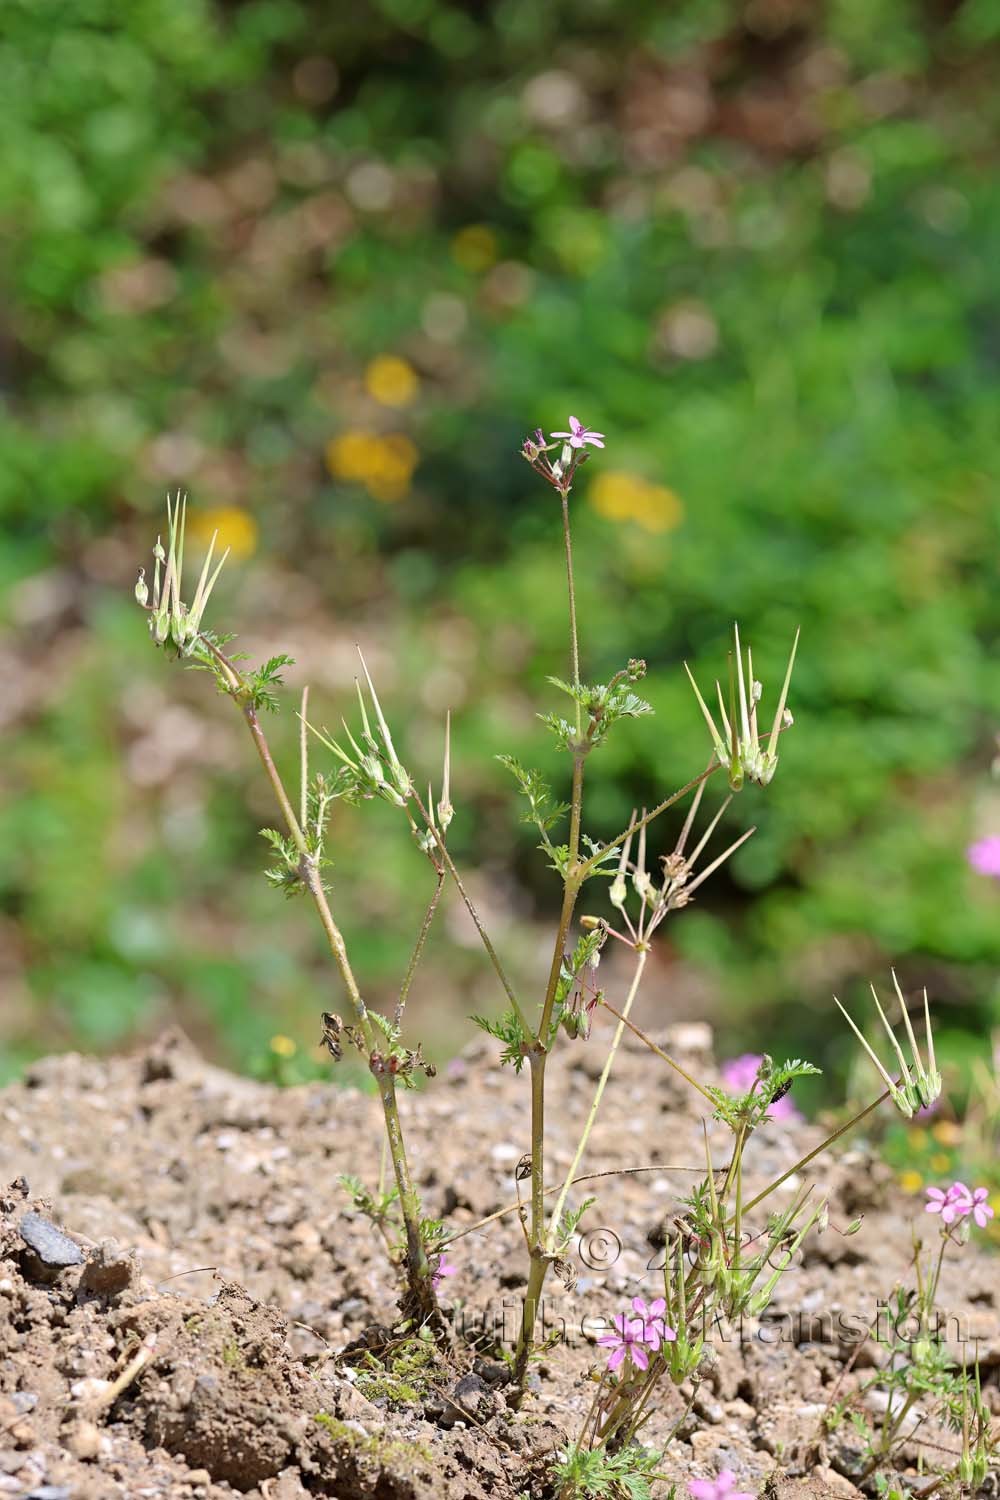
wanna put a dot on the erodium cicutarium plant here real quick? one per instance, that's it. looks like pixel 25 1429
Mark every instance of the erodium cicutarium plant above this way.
pixel 730 1249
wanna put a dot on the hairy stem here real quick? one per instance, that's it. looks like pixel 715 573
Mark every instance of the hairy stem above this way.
pixel 538 1055
pixel 418 1270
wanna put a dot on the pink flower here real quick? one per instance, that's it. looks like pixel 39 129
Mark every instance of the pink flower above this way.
pixel 578 435
pixel 984 854
pixel 958 1201
pixel 979 1208
pixel 442 1268
pixel 738 1075
pixel 950 1204
pixel 630 1340
pixel 717 1489
pixel 653 1322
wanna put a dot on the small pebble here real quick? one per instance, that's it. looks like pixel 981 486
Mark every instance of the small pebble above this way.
pixel 89 1389
pixel 52 1247
pixel 84 1440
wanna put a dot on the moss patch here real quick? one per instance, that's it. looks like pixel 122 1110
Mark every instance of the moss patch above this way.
pixel 402 1377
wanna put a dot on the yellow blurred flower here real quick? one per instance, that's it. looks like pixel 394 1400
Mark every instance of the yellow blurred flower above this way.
pixel 947 1133
pixel 282 1046
pixel 236 527
pixel 382 462
pixel 940 1162
pixel 918 1138
pixel 620 496
pixel 474 248
pixel 911 1181
pixel 391 380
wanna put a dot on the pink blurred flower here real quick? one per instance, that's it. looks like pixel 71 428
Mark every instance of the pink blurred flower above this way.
pixel 979 1208
pixel 442 1269
pixel 984 856
pixel 578 435
pixel 950 1203
pixel 738 1076
pixel 717 1489
pixel 959 1200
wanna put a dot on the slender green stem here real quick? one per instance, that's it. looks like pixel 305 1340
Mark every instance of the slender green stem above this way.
pixel 491 952
pixel 273 776
pixel 512 1208
pixel 570 893
pixel 417 1265
pixel 805 1160
pixel 557 1212
pixel 590 865
pixel 932 1289
pixel 529 1313
pixel 738 1225
pixel 304 758
pixel 660 1052
pixel 571 589
pixel 418 950
pixel 538 1055
pixel 536 1062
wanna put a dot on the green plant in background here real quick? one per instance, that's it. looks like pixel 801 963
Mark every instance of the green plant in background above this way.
pixel 276 250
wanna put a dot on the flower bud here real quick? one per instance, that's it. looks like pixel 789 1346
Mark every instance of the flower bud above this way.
pixel 445 813
pixel 141 588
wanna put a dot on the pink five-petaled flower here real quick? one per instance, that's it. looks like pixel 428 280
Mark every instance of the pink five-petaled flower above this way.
pixel 951 1203
pixel 717 1489
pixel 979 1208
pixel 958 1201
pixel 984 854
pixel 631 1340
pixel 653 1321
pixel 578 435
pixel 442 1269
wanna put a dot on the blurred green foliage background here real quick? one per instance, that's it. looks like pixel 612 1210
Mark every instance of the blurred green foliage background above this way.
pixel 323 267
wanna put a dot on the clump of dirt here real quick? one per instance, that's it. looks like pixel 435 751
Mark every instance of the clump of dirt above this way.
pixel 189 1307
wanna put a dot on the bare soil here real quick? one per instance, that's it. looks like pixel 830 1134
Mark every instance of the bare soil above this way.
pixel 212 1259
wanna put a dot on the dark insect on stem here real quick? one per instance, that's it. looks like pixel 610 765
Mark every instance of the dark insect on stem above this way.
pixel 332 1028
pixel 780 1092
